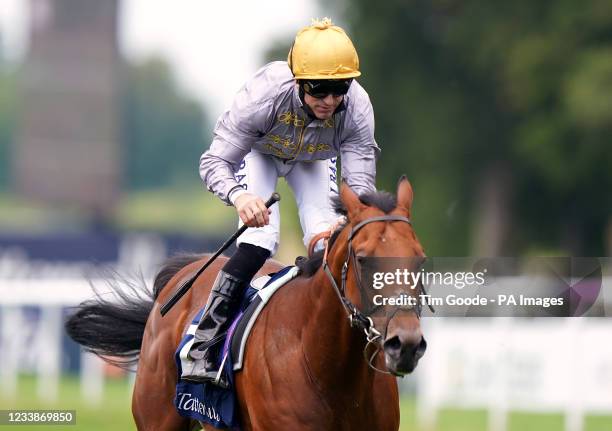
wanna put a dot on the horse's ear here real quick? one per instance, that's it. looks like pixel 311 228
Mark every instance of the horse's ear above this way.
pixel 404 194
pixel 350 200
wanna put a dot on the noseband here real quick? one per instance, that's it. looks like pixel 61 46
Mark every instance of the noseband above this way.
pixel 356 318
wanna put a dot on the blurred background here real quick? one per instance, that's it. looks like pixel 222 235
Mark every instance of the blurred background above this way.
pixel 500 113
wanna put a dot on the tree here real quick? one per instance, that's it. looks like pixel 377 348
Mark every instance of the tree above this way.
pixel 494 108
pixel 162 129
pixel 8 102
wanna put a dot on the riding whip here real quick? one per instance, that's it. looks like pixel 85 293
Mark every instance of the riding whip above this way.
pixel 186 285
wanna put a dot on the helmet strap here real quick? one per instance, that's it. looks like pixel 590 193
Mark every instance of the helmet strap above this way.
pixel 306 108
pixel 302 92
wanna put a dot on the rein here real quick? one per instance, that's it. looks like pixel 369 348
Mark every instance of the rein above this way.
pixel 356 318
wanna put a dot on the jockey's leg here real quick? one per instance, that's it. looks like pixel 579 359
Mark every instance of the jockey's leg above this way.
pixel 223 303
pixel 259 176
pixel 314 185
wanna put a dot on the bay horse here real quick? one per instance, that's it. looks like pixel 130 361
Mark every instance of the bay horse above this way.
pixel 305 366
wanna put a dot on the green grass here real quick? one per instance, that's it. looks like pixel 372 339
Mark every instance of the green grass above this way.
pixel 598 423
pixel 192 211
pixel 20 215
pixel 114 412
pixel 198 211
pixel 188 210
pixel 476 420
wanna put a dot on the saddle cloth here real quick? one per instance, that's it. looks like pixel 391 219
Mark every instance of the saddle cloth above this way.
pixel 210 403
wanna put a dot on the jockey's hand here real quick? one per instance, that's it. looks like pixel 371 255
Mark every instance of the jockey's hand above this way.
pixel 252 210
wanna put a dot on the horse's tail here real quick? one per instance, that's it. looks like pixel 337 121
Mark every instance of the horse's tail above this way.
pixel 112 325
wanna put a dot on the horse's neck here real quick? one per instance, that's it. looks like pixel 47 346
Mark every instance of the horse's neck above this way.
pixel 332 349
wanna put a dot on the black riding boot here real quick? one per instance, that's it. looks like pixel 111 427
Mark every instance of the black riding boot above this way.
pixel 222 306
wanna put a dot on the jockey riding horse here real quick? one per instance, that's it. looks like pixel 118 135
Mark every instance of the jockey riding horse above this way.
pixel 291 119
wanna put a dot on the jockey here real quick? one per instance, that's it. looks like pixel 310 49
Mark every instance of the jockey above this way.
pixel 292 120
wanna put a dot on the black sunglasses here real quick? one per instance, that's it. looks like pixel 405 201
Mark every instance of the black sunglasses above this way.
pixel 321 88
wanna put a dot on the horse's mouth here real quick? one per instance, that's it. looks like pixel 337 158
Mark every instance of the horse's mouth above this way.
pixel 404 360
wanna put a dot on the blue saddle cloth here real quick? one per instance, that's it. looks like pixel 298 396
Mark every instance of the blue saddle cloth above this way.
pixel 206 402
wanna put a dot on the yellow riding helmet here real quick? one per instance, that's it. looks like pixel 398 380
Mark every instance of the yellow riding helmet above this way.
pixel 323 51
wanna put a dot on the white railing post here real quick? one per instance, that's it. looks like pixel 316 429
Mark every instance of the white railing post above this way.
pixel 92 378
pixel 10 349
pixel 49 358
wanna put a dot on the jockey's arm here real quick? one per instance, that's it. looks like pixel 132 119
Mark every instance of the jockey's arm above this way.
pixel 217 171
pixel 359 152
pixel 234 134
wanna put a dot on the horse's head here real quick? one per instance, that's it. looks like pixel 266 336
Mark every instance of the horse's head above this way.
pixel 379 226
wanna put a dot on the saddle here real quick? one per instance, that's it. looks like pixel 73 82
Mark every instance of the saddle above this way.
pixel 207 402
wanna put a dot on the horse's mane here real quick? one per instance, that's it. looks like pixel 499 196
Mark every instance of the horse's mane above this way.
pixel 384 201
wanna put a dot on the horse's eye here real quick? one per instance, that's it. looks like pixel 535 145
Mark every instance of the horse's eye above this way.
pixel 362 260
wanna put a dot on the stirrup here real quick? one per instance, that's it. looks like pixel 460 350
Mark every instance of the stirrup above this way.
pixel 219 381
pixel 217 378
pixel 205 345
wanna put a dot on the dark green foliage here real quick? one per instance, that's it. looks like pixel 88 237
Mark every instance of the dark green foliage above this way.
pixel 162 129
pixel 8 110
pixel 463 90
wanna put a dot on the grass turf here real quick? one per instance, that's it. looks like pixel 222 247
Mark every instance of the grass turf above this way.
pixel 114 413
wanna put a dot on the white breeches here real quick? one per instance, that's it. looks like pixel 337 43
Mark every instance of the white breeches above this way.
pixel 313 184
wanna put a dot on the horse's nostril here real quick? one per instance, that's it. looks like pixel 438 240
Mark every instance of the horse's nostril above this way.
pixel 420 349
pixel 393 344
pixel 423 344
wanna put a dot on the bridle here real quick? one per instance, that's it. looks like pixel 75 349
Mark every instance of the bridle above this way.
pixel 357 319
